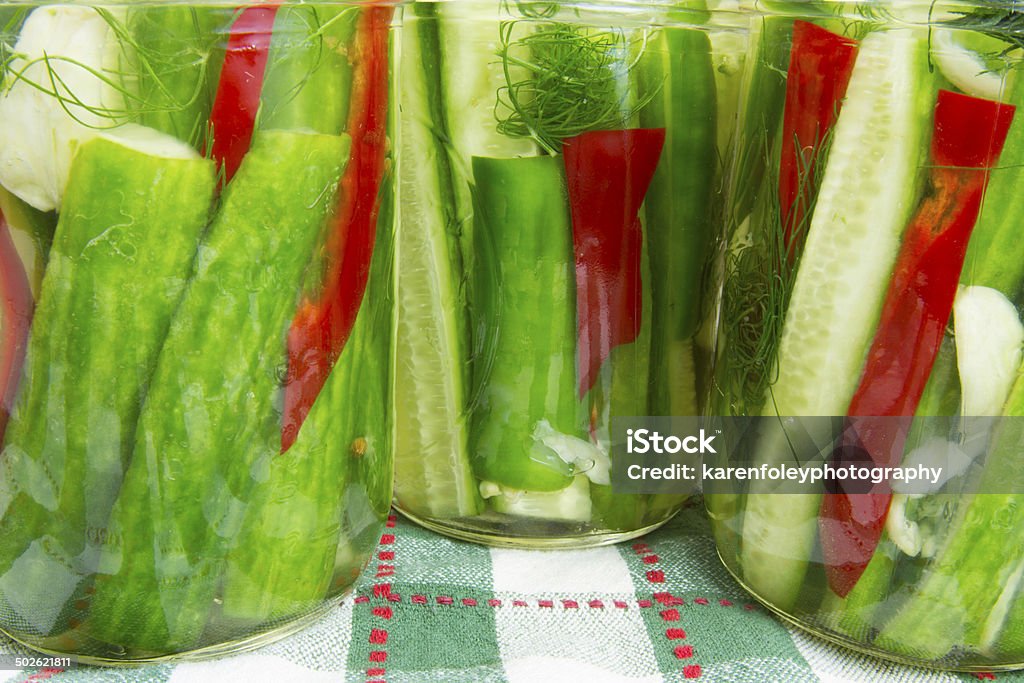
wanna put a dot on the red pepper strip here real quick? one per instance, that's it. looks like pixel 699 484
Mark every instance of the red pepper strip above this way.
pixel 16 308
pixel 819 72
pixel 233 115
pixel 322 326
pixel 608 173
pixel 968 138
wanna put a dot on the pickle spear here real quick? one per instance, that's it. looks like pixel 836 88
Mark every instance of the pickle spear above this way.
pixel 189 482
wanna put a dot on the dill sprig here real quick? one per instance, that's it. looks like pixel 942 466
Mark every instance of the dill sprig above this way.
pixel 146 74
pixel 54 85
pixel 148 67
pixel 562 80
pixel 1001 19
pixel 761 269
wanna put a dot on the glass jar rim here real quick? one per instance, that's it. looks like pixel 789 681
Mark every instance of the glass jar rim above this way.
pixel 706 14
pixel 916 11
pixel 202 3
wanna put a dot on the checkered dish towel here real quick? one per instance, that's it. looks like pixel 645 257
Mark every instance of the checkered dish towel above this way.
pixel 431 610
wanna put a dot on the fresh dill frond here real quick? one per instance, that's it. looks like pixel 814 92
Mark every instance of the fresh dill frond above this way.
pixel 55 86
pixel 562 80
pixel 1001 19
pixel 754 302
pixel 134 60
pixel 761 270
pixel 874 11
pixel 138 71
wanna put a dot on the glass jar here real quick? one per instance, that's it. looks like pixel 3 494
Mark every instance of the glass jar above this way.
pixel 871 319
pixel 560 202
pixel 196 249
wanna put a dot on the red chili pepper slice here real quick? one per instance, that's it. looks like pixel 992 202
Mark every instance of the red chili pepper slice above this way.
pixel 237 100
pixel 968 138
pixel 820 67
pixel 608 173
pixel 322 326
pixel 16 308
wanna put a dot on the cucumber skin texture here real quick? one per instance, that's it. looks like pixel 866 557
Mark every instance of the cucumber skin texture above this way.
pixel 189 481
pixel 373 412
pixel 104 310
pixel 524 281
pixel 785 525
pixel 855 615
pixel 876 594
pixel 949 605
pixel 282 561
pixel 176 85
pixel 725 512
pixel 367 498
pixel 623 390
pixel 694 194
pixel 429 213
pixel 307 85
pixel 1011 640
pixel 617 511
pixel 679 204
pixel 761 111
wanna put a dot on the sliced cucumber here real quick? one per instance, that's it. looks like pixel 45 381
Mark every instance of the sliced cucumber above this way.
pixel 996 621
pixel 780 530
pixel 867 195
pixel 472 73
pixel 433 476
pixel 571 504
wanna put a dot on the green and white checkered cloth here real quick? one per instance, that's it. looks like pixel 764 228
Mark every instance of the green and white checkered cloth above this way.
pixel 429 610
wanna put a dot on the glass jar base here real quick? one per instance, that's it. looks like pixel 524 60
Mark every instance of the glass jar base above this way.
pixel 209 652
pixel 864 649
pixel 516 534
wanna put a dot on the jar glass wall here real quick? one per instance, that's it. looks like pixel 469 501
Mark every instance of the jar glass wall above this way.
pixel 196 358
pixel 871 319
pixel 560 204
